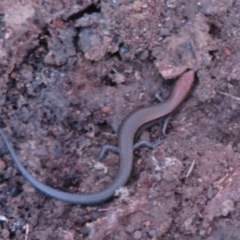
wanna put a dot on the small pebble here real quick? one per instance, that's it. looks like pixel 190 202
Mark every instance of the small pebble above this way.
pixel 164 32
pixel 27 187
pixel 147 223
pixel 123 49
pixel 227 51
pixel 69 235
pixel 210 192
pixel 2 165
pixel 5 234
pixel 129 229
pixel 118 78
pixel 8 173
pixel 85 231
pixel 106 109
pixel 202 232
pixel 137 234
pixel 152 233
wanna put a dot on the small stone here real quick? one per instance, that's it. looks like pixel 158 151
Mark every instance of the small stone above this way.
pixel 227 51
pixel 137 234
pixel 176 236
pixel 117 77
pixel 84 231
pixel 164 32
pixel 69 235
pixel 123 48
pixel 227 206
pixel 210 192
pixel 8 173
pixel 137 5
pixel 27 187
pixel 144 55
pixel 5 234
pixel 3 187
pixel 153 193
pixel 2 165
pixel 147 223
pixel 106 109
pixel 152 233
pixel 129 229
pixel 158 176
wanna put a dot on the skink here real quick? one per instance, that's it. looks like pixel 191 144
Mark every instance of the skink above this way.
pixel 125 143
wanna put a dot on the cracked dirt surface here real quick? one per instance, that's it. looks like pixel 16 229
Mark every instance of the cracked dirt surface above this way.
pixel 71 71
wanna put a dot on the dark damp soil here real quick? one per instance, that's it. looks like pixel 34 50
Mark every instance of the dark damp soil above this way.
pixel 71 71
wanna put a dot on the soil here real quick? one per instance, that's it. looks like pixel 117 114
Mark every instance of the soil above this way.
pixel 70 73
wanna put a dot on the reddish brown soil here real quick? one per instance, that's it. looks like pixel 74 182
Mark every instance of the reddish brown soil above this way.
pixel 71 71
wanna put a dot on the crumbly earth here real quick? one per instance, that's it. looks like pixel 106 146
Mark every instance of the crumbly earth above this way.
pixel 72 70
